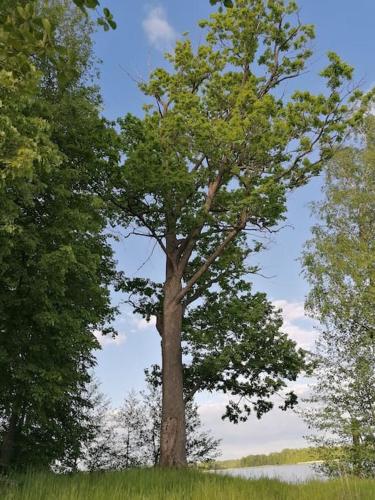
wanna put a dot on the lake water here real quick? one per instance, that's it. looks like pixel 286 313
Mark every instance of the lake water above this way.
pixel 295 473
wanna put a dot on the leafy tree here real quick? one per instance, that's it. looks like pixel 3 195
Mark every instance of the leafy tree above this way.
pixel 223 3
pixel 98 448
pixel 131 422
pixel 27 32
pixel 339 260
pixel 212 161
pixel 130 435
pixel 105 20
pixel 24 136
pixel 200 445
pixel 340 264
pixel 234 343
pixel 56 268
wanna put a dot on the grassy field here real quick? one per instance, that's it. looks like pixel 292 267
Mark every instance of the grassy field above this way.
pixel 175 485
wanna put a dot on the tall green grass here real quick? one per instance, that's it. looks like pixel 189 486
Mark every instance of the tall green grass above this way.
pixel 176 485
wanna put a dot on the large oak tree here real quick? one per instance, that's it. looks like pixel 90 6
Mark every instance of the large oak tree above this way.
pixel 211 162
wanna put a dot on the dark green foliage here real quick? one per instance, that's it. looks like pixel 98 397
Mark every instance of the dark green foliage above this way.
pixel 236 345
pixel 105 20
pixel 55 270
pixel 223 3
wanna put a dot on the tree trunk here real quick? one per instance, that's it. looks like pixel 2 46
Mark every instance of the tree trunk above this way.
pixel 7 446
pixel 173 431
pixel 356 440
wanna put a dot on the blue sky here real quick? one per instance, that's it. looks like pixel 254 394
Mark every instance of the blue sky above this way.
pixel 145 30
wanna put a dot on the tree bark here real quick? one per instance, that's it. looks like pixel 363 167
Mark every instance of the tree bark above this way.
pixel 356 441
pixel 173 430
pixel 8 444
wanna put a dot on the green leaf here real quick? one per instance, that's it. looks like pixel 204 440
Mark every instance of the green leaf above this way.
pixel 91 4
pixel 46 25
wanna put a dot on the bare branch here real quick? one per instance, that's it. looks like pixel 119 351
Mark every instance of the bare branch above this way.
pixel 198 163
pixel 141 218
pixel 148 258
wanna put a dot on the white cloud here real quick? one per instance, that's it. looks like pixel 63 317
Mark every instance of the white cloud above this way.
pixel 158 30
pixel 291 310
pixel 137 324
pixel 142 324
pixel 107 340
pixel 275 431
pixel 296 324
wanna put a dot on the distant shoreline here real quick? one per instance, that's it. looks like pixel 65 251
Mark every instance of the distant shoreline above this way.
pixel 284 457
pixel 310 462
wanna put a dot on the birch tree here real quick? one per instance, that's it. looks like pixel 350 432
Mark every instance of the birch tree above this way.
pixel 339 262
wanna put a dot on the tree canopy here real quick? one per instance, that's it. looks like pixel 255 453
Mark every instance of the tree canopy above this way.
pixel 129 436
pixel 205 172
pixel 339 262
pixel 56 264
pixel 210 165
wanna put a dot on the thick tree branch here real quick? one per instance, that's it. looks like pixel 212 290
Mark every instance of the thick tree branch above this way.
pixel 187 245
pixel 141 218
pixel 219 250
